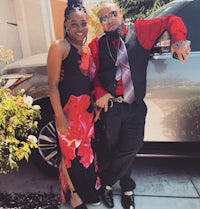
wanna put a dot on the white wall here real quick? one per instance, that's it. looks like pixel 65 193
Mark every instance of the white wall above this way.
pixel 30 30
pixel 9 36
pixel 35 32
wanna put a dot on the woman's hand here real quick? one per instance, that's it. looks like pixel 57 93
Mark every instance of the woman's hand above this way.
pixel 62 124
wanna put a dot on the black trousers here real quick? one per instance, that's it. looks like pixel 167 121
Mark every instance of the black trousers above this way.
pixel 119 133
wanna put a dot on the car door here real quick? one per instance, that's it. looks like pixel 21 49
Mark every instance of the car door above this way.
pixel 173 89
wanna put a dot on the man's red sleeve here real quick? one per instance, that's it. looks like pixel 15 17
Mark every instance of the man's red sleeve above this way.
pixel 98 90
pixel 149 30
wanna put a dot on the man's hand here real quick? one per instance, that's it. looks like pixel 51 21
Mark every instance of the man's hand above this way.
pixel 180 50
pixel 103 101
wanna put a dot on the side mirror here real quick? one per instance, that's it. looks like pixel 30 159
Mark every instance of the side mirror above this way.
pixel 162 44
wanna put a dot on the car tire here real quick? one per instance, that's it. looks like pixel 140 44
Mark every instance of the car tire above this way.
pixel 47 155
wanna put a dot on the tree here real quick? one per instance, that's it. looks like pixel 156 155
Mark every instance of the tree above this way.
pixel 137 9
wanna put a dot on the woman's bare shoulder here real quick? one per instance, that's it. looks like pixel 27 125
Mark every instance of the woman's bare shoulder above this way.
pixel 60 46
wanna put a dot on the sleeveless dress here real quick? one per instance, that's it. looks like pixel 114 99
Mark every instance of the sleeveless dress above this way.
pixel 76 147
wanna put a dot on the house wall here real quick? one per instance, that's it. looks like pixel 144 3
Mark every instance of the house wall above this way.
pixel 33 19
pixel 58 8
pixel 9 33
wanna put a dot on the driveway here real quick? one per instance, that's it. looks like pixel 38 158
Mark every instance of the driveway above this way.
pixel 162 183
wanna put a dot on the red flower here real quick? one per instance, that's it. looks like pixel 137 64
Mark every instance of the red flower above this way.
pixel 81 131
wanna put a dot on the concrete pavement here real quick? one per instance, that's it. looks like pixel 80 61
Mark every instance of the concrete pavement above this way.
pixel 161 183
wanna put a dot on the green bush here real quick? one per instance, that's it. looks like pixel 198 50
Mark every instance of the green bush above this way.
pixel 18 121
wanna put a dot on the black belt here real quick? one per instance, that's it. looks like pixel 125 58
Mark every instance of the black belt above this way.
pixel 111 101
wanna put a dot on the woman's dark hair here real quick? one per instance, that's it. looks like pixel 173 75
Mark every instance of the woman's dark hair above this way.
pixel 72 6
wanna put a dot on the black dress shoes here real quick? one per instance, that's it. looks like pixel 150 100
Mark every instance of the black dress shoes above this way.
pixel 107 198
pixel 127 201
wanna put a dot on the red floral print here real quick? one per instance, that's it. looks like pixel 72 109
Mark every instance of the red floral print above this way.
pixel 80 133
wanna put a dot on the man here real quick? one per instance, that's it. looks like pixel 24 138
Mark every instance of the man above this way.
pixel 121 55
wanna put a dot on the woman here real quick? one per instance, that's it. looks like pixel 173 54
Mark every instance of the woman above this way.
pixel 70 70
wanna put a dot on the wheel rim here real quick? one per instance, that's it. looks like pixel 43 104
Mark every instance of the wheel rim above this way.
pixel 48 144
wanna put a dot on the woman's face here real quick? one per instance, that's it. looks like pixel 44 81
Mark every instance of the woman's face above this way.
pixel 77 26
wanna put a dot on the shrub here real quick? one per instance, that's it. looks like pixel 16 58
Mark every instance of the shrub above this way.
pixel 18 121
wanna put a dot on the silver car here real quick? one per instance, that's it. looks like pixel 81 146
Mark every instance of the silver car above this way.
pixel 173 95
pixel 173 90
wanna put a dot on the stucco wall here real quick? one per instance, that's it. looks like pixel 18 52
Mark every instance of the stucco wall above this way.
pixel 9 36
pixel 33 19
pixel 57 8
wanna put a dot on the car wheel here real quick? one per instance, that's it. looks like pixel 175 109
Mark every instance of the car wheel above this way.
pixel 47 156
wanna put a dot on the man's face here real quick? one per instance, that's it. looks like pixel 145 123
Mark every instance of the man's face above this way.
pixel 110 17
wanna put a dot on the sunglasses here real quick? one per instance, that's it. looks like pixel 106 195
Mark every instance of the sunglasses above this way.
pixel 105 18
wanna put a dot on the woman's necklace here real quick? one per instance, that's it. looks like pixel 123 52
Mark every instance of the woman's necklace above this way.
pixel 108 46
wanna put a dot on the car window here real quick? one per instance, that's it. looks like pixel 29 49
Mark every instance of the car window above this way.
pixel 191 17
pixel 170 8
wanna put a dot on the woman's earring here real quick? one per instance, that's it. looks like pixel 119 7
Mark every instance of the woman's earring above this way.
pixel 85 40
pixel 66 31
